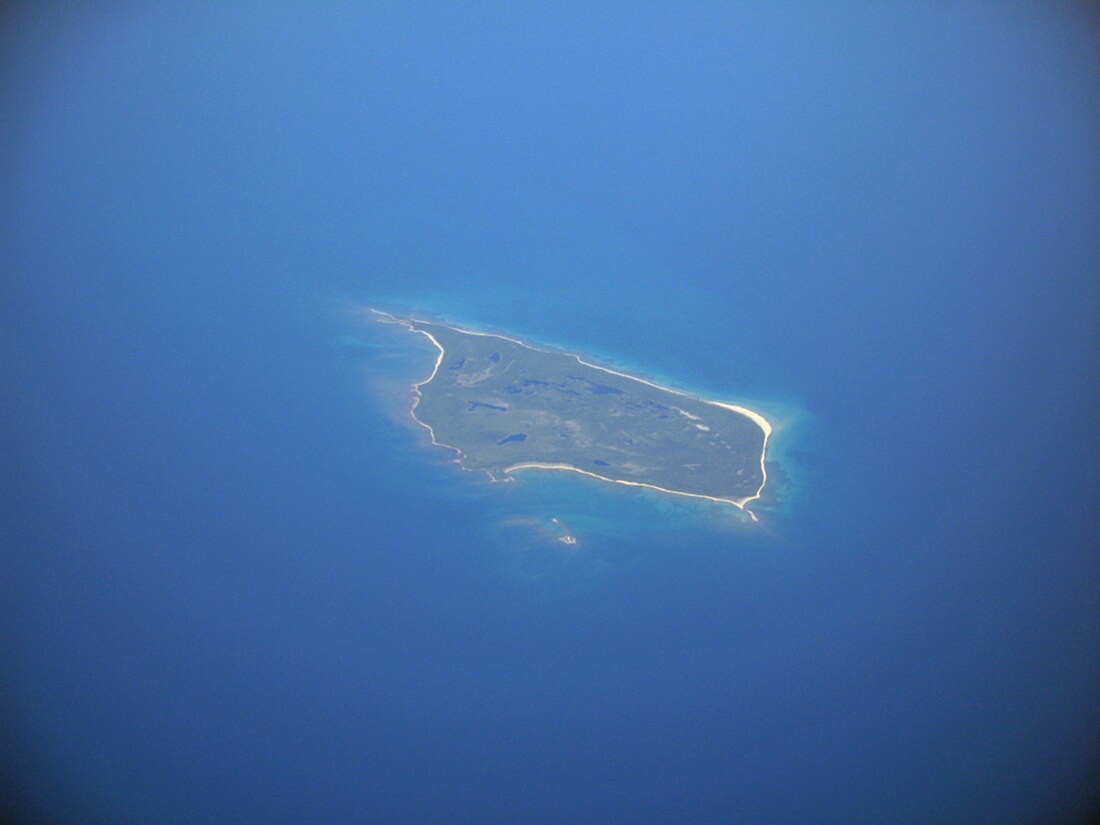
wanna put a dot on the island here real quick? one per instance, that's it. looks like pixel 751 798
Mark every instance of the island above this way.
pixel 504 406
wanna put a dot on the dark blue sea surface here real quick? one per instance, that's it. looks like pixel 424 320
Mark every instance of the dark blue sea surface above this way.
pixel 239 584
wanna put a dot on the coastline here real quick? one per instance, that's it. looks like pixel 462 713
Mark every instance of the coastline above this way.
pixel 417 395
pixel 755 417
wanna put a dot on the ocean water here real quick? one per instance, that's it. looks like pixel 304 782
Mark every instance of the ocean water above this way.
pixel 238 583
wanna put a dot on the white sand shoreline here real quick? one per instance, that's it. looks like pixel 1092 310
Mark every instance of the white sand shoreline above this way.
pixel 755 417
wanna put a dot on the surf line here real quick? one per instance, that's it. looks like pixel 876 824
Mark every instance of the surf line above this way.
pixel 387 318
pixel 736 502
pixel 755 417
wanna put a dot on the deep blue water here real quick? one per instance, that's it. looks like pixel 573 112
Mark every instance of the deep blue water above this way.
pixel 238 585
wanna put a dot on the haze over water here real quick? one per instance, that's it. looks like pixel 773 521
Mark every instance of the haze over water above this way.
pixel 238 583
